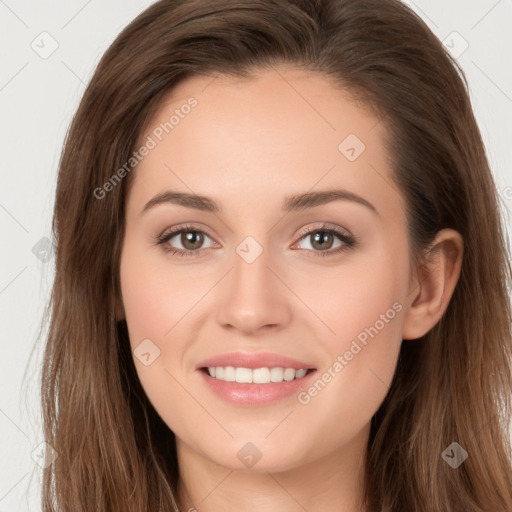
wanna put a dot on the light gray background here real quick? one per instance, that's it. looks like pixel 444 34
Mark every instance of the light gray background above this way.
pixel 38 96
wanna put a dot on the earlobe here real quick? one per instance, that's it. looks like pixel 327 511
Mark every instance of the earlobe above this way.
pixel 433 286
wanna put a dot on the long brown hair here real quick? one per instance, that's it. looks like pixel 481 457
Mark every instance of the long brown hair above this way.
pixel 453 385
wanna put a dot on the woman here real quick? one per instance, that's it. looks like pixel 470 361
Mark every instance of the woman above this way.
pixel 200 355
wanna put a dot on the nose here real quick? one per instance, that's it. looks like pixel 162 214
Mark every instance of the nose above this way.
pixel 253 296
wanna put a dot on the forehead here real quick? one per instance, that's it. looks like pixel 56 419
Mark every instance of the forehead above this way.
pixel 279 132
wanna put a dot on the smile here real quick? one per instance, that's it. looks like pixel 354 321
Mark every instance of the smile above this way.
pixel 248 379
pixel 255 376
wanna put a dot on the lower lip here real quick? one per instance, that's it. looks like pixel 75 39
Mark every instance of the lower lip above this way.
pixel 255 394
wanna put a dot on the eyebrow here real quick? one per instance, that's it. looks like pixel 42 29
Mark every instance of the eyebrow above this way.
pixel 293 203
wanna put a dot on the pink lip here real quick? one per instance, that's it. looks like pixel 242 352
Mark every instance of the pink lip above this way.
pixel 263 360
pixel 251 395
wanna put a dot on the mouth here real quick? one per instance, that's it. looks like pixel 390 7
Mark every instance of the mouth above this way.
pixel 264 375
pixel 255 379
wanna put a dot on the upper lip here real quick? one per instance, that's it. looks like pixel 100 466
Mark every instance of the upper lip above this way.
pixel 261 360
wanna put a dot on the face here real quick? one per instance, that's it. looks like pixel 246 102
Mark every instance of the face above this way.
pixel 297 260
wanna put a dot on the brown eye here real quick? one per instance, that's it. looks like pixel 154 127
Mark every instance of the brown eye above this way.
pixel 191 240
pixel 321 240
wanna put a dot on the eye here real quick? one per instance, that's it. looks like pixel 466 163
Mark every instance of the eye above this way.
pixel 323 238
pixel 190 238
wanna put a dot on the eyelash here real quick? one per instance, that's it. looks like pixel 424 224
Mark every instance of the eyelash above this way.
pixel 349 241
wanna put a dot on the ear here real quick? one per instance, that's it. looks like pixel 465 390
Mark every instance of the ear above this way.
pixel 432 287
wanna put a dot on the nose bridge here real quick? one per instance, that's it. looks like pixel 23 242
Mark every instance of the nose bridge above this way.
pixel 253 296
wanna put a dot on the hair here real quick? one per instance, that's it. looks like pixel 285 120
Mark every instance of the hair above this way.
pixel 453 384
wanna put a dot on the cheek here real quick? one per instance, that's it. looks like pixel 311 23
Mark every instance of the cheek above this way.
pixel 161 304
pixel 155 300
pixel 361 309
pixel 350 299
pixel 156 304
pixel 142 300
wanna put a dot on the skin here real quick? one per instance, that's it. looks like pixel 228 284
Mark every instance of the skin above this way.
pixel 248 144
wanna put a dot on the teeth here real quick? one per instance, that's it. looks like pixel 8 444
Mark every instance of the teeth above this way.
pixel 256 376
pixel 260 375
pixel 276 374
pixel 243 375
pixel 229 374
